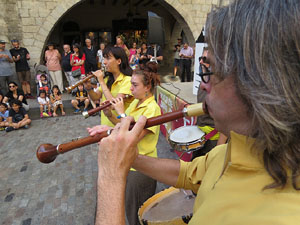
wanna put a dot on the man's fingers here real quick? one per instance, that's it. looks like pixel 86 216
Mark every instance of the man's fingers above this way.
pixel 139 126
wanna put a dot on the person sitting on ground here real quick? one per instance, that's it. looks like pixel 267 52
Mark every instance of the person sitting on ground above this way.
pixel 81 99
pixel 94 84
pixel 18 117
pixel 15 93
pixel 44 102
pixel 1 96
pixel 56 100
pixel 4 113
pixel 44 84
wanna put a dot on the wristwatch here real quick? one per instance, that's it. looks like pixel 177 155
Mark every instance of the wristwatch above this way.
pixel 122 115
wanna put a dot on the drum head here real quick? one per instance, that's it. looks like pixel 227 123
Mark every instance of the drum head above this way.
pixel 186 134
pixel 169 207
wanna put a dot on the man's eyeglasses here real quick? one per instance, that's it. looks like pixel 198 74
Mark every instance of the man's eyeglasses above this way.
pixel 12 86
pixel 203 58
pixel 205 74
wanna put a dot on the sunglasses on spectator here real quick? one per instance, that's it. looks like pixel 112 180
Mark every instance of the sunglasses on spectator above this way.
pixel 12 86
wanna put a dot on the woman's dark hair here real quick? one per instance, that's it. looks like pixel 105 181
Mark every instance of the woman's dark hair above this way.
pixel 124 67
pixel 150 76
pixel 12 82
pixel 80 53
pixel 55 86
pixel 42 91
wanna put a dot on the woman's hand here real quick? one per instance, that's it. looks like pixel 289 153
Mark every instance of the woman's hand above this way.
pixel 98 129
pixel 118 105
pixel 100 75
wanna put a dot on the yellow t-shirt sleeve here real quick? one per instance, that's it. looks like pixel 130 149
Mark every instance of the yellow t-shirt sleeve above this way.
pixel 125 86
pixel 191 174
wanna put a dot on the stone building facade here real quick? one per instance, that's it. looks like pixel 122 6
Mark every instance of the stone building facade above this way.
pixel 35 22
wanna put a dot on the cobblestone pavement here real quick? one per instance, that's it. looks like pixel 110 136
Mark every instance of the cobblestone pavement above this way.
pixel 62 192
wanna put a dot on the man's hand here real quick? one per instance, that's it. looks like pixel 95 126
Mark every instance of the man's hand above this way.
pixel 118 151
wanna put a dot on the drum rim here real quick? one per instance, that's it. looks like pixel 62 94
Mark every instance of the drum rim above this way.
pixel 153 200
pixel 190 142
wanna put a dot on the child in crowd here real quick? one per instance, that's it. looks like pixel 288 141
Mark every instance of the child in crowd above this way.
pixel 3 115
pixel 81 99
pixel 44 102
pixel 44 84
pixel 134 60
pixel 56 100
pixel 95 86
pixel 18 117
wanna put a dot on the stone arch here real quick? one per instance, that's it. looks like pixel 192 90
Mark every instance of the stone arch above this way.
pixel 190 14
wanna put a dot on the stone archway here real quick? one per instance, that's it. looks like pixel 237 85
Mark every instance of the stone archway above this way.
pixel 36 30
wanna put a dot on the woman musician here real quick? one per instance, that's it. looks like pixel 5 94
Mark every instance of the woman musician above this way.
pixel 139 187
pixel 115 83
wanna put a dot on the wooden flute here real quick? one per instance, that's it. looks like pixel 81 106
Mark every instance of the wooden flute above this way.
pixel 99 108
pixel 47 153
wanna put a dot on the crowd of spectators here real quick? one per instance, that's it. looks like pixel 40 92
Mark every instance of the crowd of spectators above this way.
pixel 75 63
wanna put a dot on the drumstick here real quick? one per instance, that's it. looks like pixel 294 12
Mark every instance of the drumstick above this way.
pixel 47 153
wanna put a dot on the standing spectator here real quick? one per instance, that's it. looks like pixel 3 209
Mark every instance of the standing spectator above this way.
pixel 150 53
pixel 18 117
pixel 15 93
pixel 176 59
pixel 53 57
pixel 120 43
pixel 143 56
pixel 6 72
pixel 134 60
pixel 91 56
pixel 132 51
pixel 186 54
pixel 66 64
pixel 77 59
pixel 20 56
pixel 100 55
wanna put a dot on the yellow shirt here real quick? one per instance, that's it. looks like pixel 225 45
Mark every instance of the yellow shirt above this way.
pixel 235 196
pixel 149 108
pixel 121 85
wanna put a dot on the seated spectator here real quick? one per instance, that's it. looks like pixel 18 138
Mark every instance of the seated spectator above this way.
pixel 95 86
pixel 56 100
pixel 44 84
pixel 1 96
pixel 3 115
pixel 81 99
pixel 15 93
pixel 18 117
pixel 44 102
